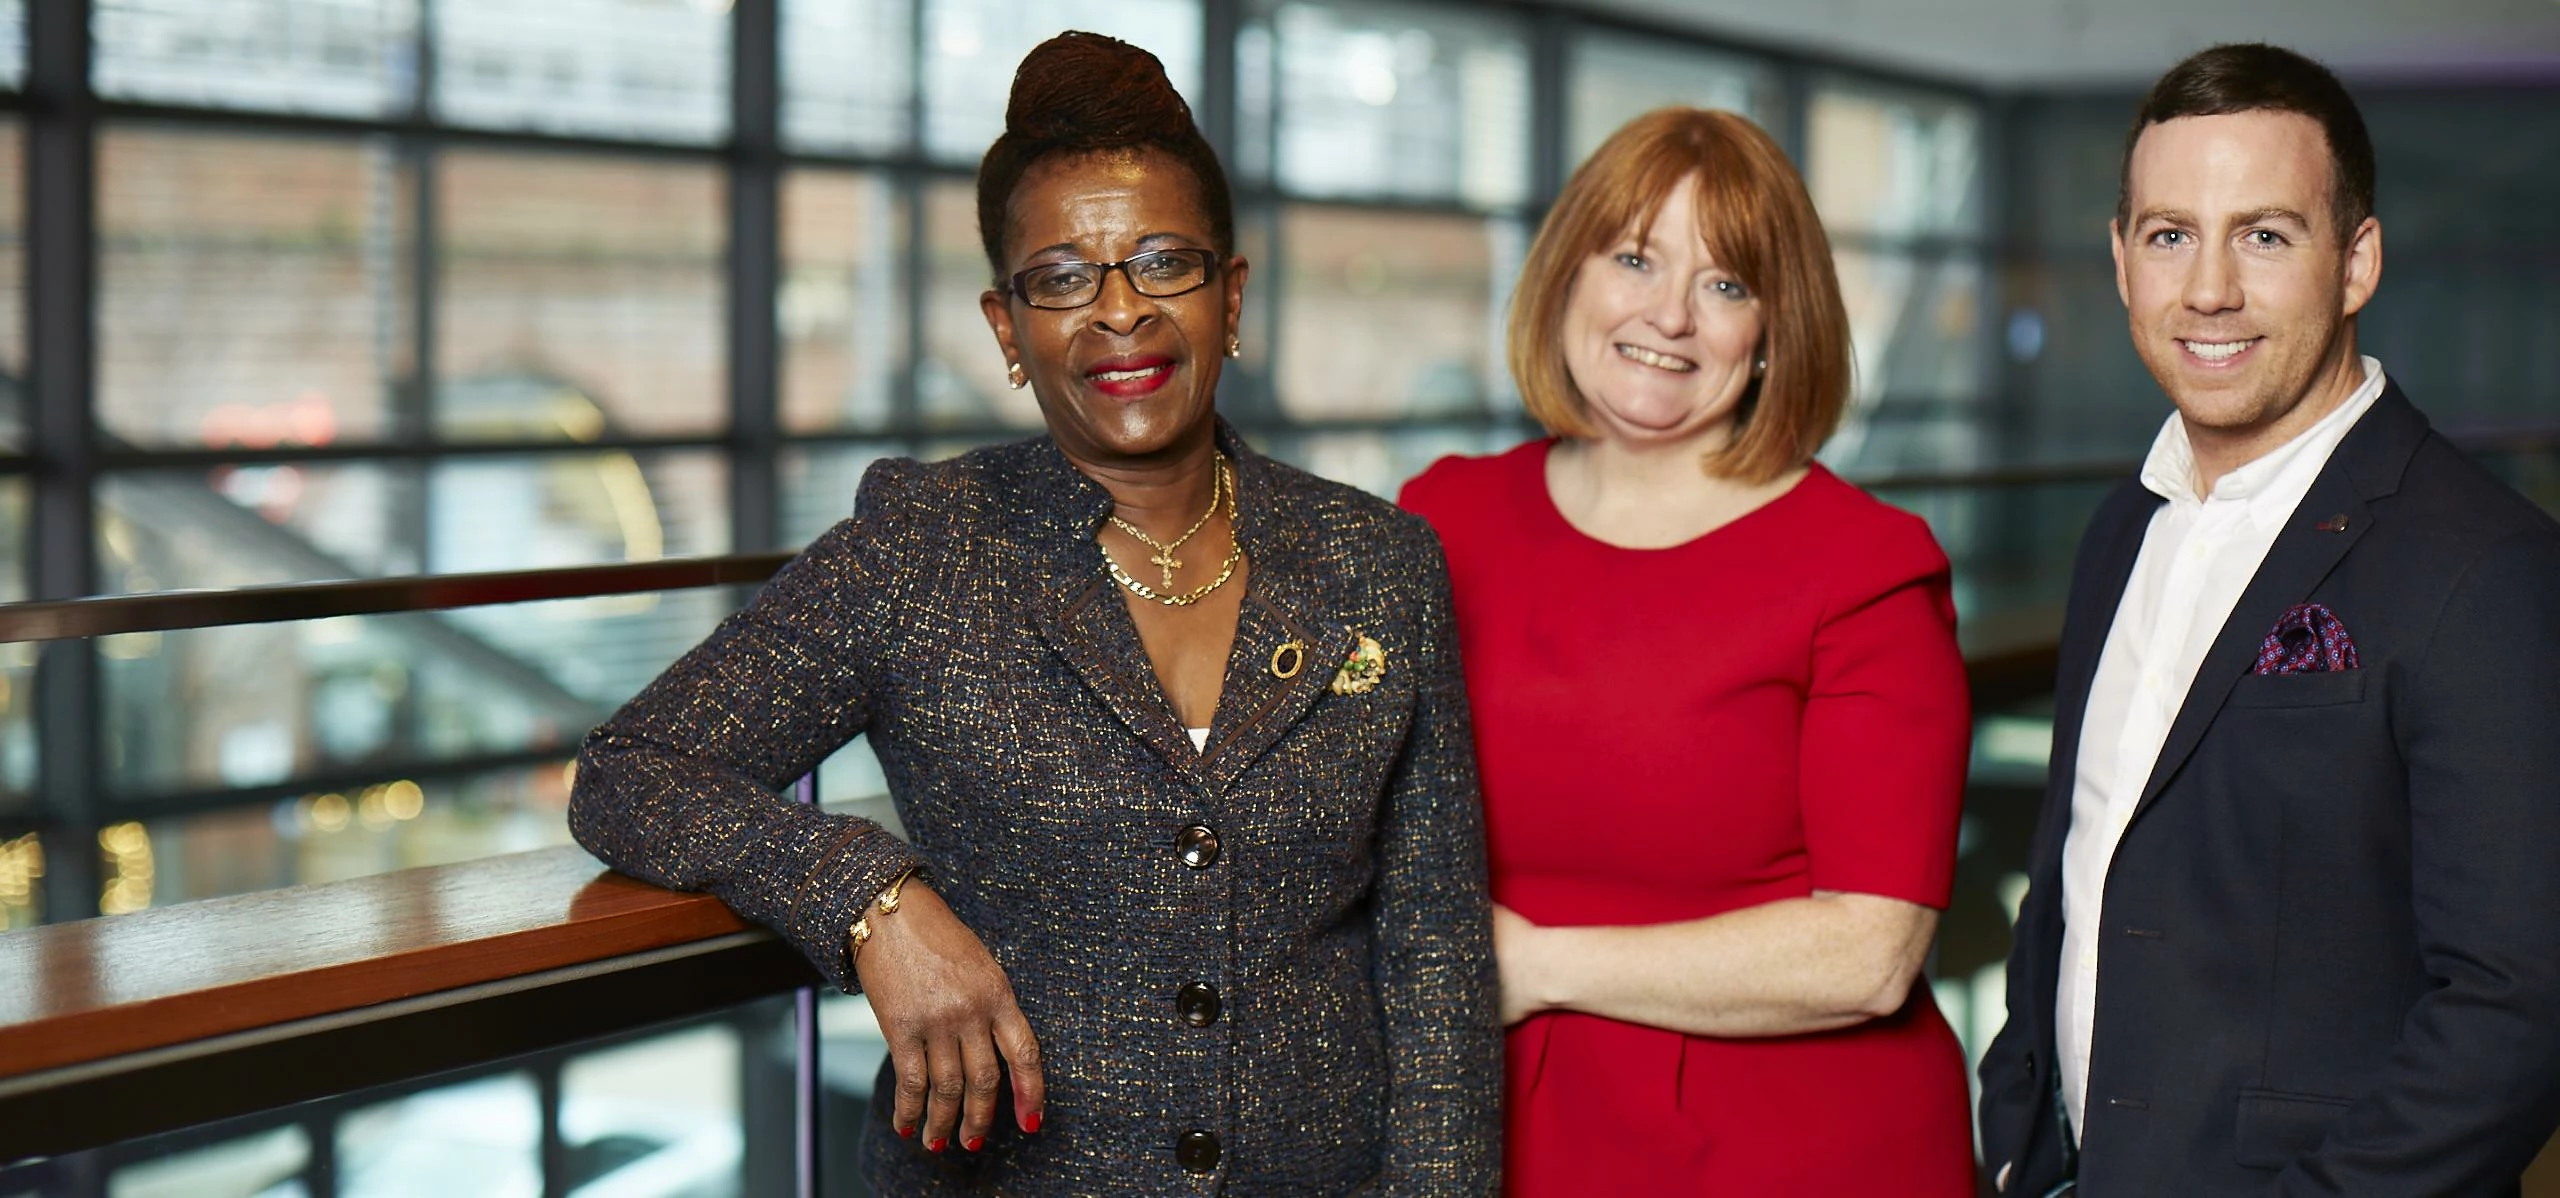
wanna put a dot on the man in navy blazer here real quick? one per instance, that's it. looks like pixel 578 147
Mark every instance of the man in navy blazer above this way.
pixel 2293 925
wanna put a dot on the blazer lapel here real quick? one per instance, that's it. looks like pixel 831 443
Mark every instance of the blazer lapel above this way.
pixel 1255 705
pixel 1091 630
pixel 1282 605
pixel 2121 523
pixel 2366 465
pixel 2088 623
pixel 1078 610
pixel 2301 556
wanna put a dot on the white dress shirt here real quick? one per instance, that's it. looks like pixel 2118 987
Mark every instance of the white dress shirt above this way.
pixel 2197 557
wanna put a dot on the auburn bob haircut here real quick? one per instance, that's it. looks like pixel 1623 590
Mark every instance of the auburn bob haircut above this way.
pixel 1757 221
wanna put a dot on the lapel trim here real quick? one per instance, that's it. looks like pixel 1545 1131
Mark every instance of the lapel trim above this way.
pixel 1254 708
pixel 1059 511
pixel 2085 630
pixel 2366 467
pixel 1282 601
pixel 1092 632
pixel 2085 635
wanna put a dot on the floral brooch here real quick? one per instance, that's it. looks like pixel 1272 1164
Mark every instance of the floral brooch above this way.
pixel 1360 671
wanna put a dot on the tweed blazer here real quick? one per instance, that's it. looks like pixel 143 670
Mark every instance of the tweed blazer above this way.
pixel 963 620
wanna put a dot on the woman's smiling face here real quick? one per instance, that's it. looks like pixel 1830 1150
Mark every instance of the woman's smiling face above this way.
pixel 1659 339
pixel 1128 376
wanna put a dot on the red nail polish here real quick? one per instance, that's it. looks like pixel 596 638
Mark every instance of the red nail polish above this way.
pixel 906 1133
pixel 1031 1123
pixel 937 1145
pixel 975 1143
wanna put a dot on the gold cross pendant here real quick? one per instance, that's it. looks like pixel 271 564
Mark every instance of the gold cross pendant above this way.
pixel 1165 560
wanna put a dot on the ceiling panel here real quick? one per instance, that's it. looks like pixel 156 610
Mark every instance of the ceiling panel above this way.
pixel 2080 43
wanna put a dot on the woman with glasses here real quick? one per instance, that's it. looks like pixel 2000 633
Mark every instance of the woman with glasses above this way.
pixel 1721 715
pixel 1194 900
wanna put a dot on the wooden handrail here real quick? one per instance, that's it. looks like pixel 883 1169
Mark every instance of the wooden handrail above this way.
pixel 172 611
pixel 100 988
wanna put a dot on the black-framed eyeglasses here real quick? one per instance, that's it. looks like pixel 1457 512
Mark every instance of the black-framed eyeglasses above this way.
pixel 1158 274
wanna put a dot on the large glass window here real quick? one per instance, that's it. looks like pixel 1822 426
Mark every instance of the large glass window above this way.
pixel 1915 322
pixel 338 57
pixel 1386 100
pixel 253 289
pixel 665 1114
pixel 257 523
pixel 332 835
pixel 13 290
pixel 480 1137
pixel 1381 462
pixel 265 704
pixel 971 48
pixel 13 43
pixel 1616 78
pixel 269 1162
pixel 578 297
pixel 17 715
pixel 961 381
pixel 848 75
pixel 21 874
pixel 1390 314
pixel 1893 162
pixel 1896 175
pixel 818 486
pixel 841 313
pixel 655 70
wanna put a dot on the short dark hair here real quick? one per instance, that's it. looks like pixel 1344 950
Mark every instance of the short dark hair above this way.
pixel 1083 93
pixel 2256 77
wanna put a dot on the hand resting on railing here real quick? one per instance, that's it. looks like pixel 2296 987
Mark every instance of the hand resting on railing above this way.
pixel 949 1014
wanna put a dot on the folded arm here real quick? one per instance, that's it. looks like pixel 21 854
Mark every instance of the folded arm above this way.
pixel 1796 965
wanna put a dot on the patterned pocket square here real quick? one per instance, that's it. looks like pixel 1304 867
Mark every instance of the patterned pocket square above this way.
pixel 2308 639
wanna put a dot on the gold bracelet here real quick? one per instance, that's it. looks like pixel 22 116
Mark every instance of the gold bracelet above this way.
pixel 886 903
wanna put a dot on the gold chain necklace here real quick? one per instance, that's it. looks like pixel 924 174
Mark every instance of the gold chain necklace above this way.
pixel 1164 559
pixel 1235 551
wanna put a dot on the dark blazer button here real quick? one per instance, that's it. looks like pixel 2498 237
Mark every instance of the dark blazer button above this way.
pixel 1197 1151
pixel 1198 1002
pixel 1198 846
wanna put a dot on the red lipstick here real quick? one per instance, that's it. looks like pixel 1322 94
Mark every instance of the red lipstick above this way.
pixel 1129 376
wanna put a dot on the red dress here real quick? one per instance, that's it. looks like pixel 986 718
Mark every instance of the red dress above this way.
pixel 1775 707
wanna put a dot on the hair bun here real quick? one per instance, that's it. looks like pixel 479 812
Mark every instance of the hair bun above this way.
pixel 1084 89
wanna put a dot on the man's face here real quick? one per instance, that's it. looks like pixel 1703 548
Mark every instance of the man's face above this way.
pixel 2236 283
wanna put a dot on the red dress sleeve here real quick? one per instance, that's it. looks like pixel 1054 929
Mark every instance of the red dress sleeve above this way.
pixel 1887 723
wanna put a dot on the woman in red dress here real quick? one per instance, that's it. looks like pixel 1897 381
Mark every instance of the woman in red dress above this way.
pixel 1719 710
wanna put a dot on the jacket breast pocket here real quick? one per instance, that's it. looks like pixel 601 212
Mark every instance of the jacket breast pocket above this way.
pixel 2275 1127
pixel 2299 690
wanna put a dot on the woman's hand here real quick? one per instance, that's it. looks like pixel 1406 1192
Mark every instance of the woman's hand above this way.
pixel 1512 937
pixel 949 1015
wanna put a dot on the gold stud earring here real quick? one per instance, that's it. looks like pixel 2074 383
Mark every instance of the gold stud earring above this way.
pixel 1013 374
pixel 1235 346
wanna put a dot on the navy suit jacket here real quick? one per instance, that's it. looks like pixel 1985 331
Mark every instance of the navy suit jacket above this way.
pixel 2329 959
